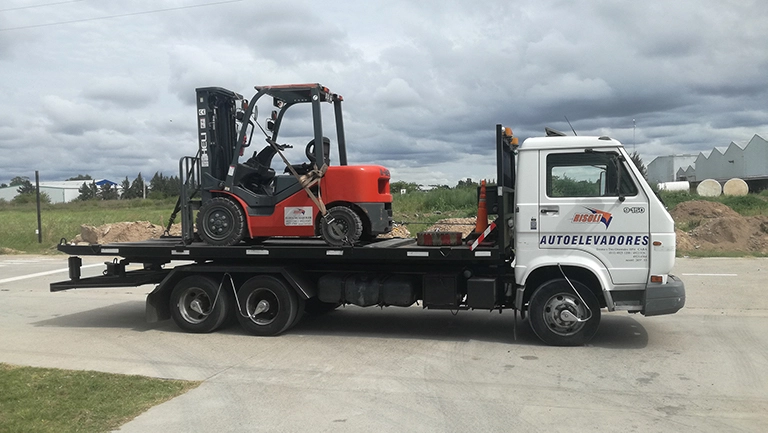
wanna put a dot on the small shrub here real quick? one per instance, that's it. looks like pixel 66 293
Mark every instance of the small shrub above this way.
pixel 687 226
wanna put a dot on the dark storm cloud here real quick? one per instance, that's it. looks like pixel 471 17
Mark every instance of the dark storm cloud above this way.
pixel 424 82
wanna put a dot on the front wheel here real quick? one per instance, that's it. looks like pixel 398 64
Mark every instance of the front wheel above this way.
pixel 559 317
pixel 221 222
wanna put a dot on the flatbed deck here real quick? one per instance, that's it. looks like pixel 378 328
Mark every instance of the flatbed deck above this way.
pixel 167 249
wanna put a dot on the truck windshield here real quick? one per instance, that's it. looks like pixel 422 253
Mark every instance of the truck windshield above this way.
pixel 587 174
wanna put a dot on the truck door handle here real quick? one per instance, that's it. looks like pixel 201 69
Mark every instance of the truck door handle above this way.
pixel 554 210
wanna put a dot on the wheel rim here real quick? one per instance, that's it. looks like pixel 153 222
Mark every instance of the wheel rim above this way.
pixel 554 316
pixel 219 223
pixel 194 305
pixel 338 229
pixel 262 306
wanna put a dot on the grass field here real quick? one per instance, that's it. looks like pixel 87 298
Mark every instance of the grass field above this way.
pixel 18 230
pixel 50 400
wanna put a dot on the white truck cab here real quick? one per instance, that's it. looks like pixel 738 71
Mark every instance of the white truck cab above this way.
pixel 587 222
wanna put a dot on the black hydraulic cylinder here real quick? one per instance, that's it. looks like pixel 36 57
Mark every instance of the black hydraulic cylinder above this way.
pixel 74 264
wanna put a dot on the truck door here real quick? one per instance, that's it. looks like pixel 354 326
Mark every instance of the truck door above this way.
pixel 591 203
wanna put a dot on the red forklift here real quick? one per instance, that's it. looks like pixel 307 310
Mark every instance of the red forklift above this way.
pixel 249 201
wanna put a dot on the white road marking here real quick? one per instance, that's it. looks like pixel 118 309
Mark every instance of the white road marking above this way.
pixel 711 275
pixel 42 274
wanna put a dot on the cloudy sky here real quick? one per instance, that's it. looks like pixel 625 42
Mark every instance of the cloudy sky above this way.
pixel 106 87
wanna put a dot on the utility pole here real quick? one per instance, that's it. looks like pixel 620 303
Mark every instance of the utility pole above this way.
pixel 39 220
pixel 633 135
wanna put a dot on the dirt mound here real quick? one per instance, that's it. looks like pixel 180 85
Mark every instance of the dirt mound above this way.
pixel 684 242
pixel 716 227
pixel 123 232
pixel 398 231
pixel 463 225
pixel 697 209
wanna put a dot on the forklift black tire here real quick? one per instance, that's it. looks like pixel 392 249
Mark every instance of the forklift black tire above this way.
pixel 221 222
pixel 268 306
pixel 195 306
pixel 345 227
pixel 559 317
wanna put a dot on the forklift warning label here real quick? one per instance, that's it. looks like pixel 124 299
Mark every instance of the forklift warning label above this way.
pixel 298 216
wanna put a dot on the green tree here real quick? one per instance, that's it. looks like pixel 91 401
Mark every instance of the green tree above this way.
pixel 81 177
pixel 638 161
pixel 24 185
pixel 468 183
pixel 88 191
pixel 400 185
pixel 133 189
pixel 31 198
pixel 107 192
pixel 568 187
pixel 125 187
pixel 19 180
pixel 137 187
pixel 3 185
pixel 172 187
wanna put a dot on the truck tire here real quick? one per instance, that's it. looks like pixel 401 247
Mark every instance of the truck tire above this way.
pixel 548 317
pixel 198 306
pixel 268 306
pixel 221 222
pixel 300 311
pixel 346 228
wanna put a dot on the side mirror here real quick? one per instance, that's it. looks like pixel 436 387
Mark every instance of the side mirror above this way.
pixel 271 120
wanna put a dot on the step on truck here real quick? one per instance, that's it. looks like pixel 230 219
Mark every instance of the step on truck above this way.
pixel 576 230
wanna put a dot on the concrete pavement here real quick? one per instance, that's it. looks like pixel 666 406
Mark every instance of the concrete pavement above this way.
pixel 405 369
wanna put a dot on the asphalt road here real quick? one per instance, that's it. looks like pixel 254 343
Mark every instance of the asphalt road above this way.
pixel 704 369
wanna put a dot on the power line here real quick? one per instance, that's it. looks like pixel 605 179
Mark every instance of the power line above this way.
pixel 119 16
pixel 39 6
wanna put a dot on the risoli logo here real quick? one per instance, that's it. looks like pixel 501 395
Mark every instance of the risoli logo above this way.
pixel 596 216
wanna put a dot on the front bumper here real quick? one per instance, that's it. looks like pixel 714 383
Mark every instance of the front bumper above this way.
pixel 664 298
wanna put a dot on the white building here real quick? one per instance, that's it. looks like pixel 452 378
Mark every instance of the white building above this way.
pixel 745 161
pixel 666 168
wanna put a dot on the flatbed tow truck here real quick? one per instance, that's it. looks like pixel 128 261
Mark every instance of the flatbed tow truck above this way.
pixel 576 230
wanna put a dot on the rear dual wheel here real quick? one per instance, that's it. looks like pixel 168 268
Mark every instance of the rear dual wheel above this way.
pixel 268 306
pixel 197 304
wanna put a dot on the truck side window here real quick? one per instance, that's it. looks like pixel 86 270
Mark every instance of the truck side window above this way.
pixel 587 174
